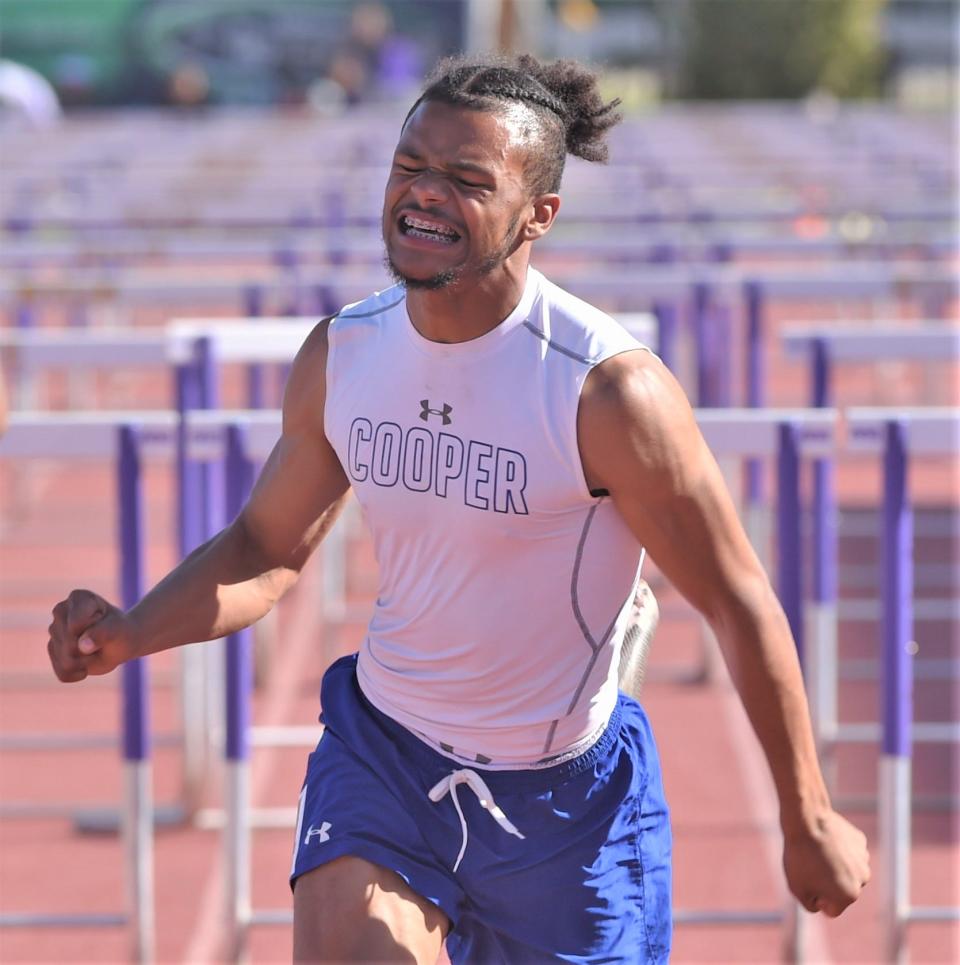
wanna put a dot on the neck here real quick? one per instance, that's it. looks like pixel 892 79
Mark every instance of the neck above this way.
pixel 470 308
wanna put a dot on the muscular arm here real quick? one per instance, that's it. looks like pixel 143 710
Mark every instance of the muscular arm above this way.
pixel 639 440
pixel 235 578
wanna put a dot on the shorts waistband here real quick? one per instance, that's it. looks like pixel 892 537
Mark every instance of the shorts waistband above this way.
pixel 521 779
pixel 484 764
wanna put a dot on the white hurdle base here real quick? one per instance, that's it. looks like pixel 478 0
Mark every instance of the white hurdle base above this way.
pixel 821 676
pixel 758 524
pixel 193 716
pixel 894 806
pixel 138 845
pixel 237 848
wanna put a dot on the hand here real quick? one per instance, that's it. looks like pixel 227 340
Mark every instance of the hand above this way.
pixel 827 865
pixel 88 635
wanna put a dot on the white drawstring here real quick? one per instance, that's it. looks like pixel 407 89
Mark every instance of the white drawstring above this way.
pixel 476 784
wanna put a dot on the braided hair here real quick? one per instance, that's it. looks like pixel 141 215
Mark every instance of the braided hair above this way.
pixel 563 98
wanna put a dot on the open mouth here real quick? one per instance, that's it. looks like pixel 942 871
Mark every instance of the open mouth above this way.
pixel 427 230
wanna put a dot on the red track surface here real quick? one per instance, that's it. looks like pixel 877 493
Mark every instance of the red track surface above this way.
pixel 57 532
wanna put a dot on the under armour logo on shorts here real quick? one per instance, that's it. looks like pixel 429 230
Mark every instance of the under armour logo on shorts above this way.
pixel 321 831
pixel 444 413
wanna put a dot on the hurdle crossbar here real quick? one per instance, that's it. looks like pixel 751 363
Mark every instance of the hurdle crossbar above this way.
pixel 928 340
pixel 240 339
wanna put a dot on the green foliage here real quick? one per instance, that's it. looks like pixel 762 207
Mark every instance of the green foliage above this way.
pixel 780 48
pixel 61 38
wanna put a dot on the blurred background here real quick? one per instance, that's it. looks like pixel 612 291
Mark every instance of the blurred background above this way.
pixel 186 186
pixel 267 53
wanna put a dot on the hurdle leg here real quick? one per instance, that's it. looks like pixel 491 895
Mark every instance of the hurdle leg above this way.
pixel 795 945
pixel 895 769
pixel 822 669
pixel 212 488
pixel 138 810
pixel 253 308
pixel 821 674
pixel 24 390
pixel 238 665
pixel 191 659
pixel 81 382
pixel 706 361
pixel 790 591
pixel 666 315
pixel 703 344
pixel 723 359
pixel 138 847
pixel 757 518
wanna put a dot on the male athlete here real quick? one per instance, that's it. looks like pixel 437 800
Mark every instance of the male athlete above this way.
pixel 480 780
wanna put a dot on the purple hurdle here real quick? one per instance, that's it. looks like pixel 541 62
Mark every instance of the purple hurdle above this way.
pixel 789 542
pixel 895 763
pixel 72 435
pixel 253 308
pixel 239 685
pixel 898 434
pixel 821 667
pixel 824 346
pixel 138 812
pixel 196 384
pixel 665 313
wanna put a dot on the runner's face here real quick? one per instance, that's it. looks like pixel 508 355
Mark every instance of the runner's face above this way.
pixel 455 195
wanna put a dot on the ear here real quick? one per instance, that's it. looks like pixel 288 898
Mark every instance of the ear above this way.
pixel 543 211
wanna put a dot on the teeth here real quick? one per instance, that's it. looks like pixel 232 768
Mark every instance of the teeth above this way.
pixel 431 236
pixel 428 226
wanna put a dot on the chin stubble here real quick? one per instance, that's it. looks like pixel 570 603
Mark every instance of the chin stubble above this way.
pixel 447 277
pixel 442 279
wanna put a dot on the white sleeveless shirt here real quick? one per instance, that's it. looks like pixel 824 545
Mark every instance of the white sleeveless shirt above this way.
pixel 504 584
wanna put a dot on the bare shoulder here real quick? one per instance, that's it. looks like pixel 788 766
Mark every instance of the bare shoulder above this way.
pixel 634 418
pixel 632 383
pixel 305 393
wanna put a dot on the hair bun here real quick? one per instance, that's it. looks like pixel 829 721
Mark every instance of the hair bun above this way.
pixel 586 116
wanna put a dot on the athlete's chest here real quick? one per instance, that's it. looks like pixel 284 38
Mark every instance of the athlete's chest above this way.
pixel 449 441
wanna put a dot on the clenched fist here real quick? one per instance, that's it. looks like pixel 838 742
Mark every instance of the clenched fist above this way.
pixel 88 635
pixel 827 866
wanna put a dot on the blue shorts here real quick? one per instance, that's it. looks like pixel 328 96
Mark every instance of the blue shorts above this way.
pixel 588 881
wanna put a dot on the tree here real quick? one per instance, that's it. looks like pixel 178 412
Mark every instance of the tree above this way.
pixel 780 48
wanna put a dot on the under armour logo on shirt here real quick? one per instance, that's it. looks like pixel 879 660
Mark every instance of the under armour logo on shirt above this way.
pixel 444 413
pixel 320 832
